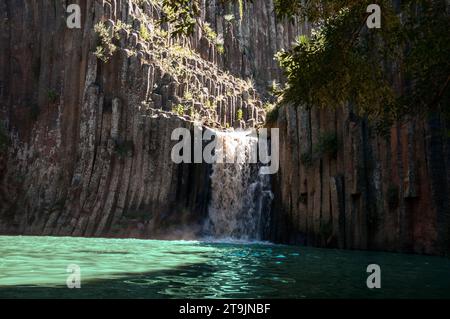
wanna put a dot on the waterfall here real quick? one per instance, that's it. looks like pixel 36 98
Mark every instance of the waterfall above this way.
pixel 240 196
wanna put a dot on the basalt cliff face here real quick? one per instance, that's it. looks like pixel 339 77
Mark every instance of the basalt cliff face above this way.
pixel 87 116
pixel 343 185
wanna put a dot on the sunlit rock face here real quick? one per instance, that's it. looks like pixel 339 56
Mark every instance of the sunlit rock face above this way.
pixel 85 143
pixel 88 136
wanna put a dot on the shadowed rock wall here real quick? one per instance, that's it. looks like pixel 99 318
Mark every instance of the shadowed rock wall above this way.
pixel 85 144
pixel 86 151
pixel 343 185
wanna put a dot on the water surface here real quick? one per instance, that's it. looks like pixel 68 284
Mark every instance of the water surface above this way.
pixel 36 267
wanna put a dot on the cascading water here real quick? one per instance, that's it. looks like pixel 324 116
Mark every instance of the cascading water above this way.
pixel 240 196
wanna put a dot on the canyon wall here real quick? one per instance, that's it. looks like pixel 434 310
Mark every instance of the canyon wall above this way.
pixel 85 136
pixel 343 184
pixel 87 114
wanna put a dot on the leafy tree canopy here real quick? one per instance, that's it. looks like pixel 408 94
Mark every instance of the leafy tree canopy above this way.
pixel 400 69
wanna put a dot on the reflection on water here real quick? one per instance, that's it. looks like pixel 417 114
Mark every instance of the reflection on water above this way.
pixel 35 267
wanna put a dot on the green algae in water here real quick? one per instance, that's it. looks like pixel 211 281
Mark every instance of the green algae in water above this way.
pixel 36 267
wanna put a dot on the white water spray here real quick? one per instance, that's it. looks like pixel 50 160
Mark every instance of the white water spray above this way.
pixel 240 195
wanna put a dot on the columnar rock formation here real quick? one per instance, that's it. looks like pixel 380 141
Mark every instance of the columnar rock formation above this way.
pixel 87 114
pixel 342 184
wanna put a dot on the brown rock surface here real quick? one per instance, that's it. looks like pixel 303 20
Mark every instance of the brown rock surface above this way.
pixel 376 192
pixel 87 152
pixel 86 145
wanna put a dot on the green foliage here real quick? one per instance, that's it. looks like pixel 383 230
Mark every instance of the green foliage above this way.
pixel 4 139
pixel 106 48
pixel 178 109
pixel 387 74
pixel 212 37
pixel 328 69
pixel 52 96
pixel 208 32
pixel 123 148
pixel 343 61
pixel 313 11
pixel 161 33
pixel 306 159
pixel 239 115
pixel 210 105
pixel 194 114
pixel 182 15
pixel 143 32
pixel 426 63
pixel 327 143
pixel 220 48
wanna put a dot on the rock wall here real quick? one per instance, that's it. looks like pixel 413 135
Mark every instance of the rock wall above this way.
pixel 86 134
pixel 85 143
pixel 251 38
pixel 341 184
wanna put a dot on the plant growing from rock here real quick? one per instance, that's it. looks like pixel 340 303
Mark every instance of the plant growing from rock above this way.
pixel 220 48
pixel 239 115
pixel 188 95
pixel 194 114
pixel 160 33
pixel 123 148
pixel 52 95
pixel 106 48
pixel 213 38
pixel 327 144
pixel 107 35
pixel 210 105
pixel 182 15
pixel 343 61
pixel 143 33
pixel 178 109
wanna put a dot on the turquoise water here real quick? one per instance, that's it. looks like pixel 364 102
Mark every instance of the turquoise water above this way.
pixel 36 267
